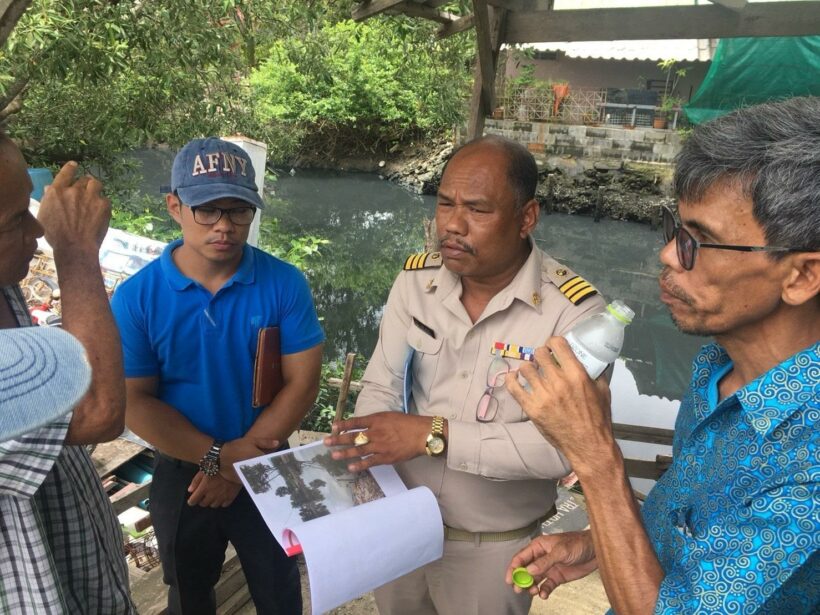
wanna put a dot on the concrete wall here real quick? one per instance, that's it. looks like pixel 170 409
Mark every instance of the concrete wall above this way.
pixel 590 142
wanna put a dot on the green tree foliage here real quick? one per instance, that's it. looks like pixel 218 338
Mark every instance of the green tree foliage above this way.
pixel 87 78
pixel 389 76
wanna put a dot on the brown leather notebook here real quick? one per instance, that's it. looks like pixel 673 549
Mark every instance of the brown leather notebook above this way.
pixel 267 368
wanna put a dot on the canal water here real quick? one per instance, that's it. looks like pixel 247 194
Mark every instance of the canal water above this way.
pixel 373 225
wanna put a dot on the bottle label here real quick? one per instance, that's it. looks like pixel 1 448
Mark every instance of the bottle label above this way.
pixel 595 367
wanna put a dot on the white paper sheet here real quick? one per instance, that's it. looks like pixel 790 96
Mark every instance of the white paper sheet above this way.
pixel 357 532
pixel 358 550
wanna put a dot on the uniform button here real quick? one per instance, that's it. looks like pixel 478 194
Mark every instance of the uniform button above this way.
pixel 453 415
pixel 465 374
pixel 462 466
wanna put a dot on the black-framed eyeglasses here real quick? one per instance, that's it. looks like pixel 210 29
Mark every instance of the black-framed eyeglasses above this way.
pixel 206 215
pixel 488 404
pixel 687 246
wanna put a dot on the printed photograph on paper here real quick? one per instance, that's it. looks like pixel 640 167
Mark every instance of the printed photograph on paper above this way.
pixel 307 482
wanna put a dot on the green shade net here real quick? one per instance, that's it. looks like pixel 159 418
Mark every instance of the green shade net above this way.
pixel 749 71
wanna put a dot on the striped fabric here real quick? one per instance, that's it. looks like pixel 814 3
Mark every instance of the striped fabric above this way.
pixel 60 542
pixel 577 289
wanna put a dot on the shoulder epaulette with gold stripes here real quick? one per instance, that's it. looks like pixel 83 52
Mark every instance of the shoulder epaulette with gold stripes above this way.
pixel 577 289
pixel 422 260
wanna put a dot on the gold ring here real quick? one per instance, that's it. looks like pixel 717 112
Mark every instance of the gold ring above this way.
pixel 361 439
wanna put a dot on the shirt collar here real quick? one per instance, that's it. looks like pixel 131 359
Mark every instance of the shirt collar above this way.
pixel 773 397
pixel 776 395
pixel 178 281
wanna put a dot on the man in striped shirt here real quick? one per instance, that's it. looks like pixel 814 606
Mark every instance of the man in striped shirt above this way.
pixel 60 542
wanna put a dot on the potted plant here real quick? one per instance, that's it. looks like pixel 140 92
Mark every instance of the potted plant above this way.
pixel 670 101
pixel 667 106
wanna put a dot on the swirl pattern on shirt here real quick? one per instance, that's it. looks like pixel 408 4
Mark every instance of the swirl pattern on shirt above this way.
pixel 735 520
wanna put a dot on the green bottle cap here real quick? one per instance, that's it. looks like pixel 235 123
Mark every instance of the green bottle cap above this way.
pixel 522 578
pixel 621 311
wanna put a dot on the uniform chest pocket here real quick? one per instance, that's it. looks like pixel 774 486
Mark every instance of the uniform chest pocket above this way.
pixel 507 409
pixel 427 352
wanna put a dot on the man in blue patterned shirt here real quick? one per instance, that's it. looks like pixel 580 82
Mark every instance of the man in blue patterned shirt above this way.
pixel 733 526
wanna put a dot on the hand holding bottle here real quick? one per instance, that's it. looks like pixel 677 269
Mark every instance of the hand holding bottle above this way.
pixel 568 407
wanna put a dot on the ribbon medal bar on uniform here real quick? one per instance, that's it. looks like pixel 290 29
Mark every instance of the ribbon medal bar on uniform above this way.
pixel 511 351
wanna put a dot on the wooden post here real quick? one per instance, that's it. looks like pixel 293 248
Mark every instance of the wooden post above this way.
pixel 344 388
pixel 488 27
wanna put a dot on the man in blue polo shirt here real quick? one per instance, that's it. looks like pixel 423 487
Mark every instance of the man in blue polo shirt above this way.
pixel 189 323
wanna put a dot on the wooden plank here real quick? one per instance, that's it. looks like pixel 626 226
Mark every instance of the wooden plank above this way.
pixel 638 433
pixel 732 5
pixel 454 27
pixel 335 383
pixel 344 387
pixel 369 8
pixel 303 436
pixel 232 589
pixel 108 456
pixel 434 3
pixel 484 44
pixel 150 593
pixel 526 6
pixel 665 22
pixel 425 12
pixel 642 468
pixel 128 497
pixel 480 106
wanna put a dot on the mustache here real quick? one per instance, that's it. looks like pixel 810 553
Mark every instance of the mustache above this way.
pixel 448 238
pixel 676 291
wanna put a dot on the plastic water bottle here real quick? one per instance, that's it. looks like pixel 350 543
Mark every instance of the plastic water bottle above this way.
pixel 597 341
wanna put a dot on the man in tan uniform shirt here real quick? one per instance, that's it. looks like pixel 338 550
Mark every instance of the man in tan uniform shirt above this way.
pixel 494 478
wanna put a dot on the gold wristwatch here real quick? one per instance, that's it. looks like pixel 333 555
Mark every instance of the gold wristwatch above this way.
pixel 436 442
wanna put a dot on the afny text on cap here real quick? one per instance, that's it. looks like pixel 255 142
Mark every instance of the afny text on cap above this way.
pixel 44 372
pixel 209 169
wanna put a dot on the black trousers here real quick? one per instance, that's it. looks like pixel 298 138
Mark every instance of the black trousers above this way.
pixel 192 542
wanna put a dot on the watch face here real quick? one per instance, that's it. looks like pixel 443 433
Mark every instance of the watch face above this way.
pixel 209 467
pixel 436 445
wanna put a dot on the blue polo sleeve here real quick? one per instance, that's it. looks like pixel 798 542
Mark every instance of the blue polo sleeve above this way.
pixel 139 358
pixel 299 326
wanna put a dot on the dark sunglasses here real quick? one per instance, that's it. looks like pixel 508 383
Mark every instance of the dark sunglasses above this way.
pixel 687 246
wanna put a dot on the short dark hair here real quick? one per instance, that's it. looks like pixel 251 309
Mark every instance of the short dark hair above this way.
pixel 522 172
pixel 772 153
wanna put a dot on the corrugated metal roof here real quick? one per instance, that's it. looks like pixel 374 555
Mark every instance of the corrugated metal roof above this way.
pixel 689 50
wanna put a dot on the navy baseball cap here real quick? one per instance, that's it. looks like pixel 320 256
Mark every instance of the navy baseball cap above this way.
pixel 209 169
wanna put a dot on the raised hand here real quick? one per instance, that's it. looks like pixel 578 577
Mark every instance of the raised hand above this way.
pixel 73 213
pixel 570 409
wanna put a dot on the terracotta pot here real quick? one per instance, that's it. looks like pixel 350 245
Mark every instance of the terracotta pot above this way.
pixel 659 122
pixel 535 148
